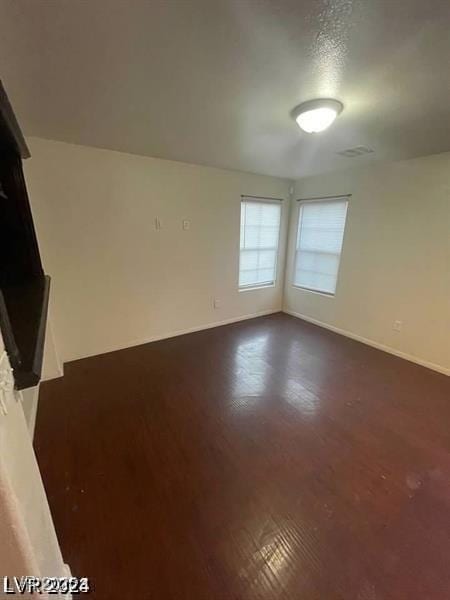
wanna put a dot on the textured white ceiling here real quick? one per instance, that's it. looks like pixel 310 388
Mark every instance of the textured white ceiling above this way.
pixel 213 81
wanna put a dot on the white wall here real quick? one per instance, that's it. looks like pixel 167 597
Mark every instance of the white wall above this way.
pixel 29 406
pixel 28 543
pixel 116 281
pixel 52 366
pixel 395 262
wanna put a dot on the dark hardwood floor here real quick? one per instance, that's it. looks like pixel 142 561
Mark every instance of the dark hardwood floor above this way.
pixel 269 459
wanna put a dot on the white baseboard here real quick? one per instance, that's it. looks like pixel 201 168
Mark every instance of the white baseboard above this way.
pixel 368 342
pixel 166 336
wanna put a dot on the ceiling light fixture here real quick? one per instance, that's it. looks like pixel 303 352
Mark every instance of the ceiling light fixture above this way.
pixel 316 115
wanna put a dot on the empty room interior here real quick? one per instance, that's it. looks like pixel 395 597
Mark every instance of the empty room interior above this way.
pixel 225 299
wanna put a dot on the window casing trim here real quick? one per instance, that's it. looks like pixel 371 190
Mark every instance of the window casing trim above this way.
pixel 263 199
pixel 269 284
pixel 324 198
pixel 312 291
pixel 300 203
pixel 254 287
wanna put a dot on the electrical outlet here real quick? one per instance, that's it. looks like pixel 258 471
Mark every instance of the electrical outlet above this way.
pixel 186 224
pixel 158 224
pixel 397 326
pixel 216 303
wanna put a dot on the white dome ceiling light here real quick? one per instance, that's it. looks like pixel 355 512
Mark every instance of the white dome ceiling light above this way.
pixel 316 115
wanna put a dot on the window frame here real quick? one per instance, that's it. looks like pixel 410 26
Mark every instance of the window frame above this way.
pixel 262 200
pixel 301 203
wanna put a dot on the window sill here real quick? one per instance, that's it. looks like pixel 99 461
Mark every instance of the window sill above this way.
pixel 256 287
pixel 305 289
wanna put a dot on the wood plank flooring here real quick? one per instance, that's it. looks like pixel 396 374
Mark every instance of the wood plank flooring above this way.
pixel 264 460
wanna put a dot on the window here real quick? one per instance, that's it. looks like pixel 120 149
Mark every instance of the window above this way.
pixel 260 231
pixel 319 241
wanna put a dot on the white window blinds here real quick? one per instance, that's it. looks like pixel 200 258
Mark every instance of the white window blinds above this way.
pixel 319 242
pixel 260 232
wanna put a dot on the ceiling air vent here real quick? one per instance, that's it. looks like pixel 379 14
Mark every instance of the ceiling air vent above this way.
pixel 356 151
